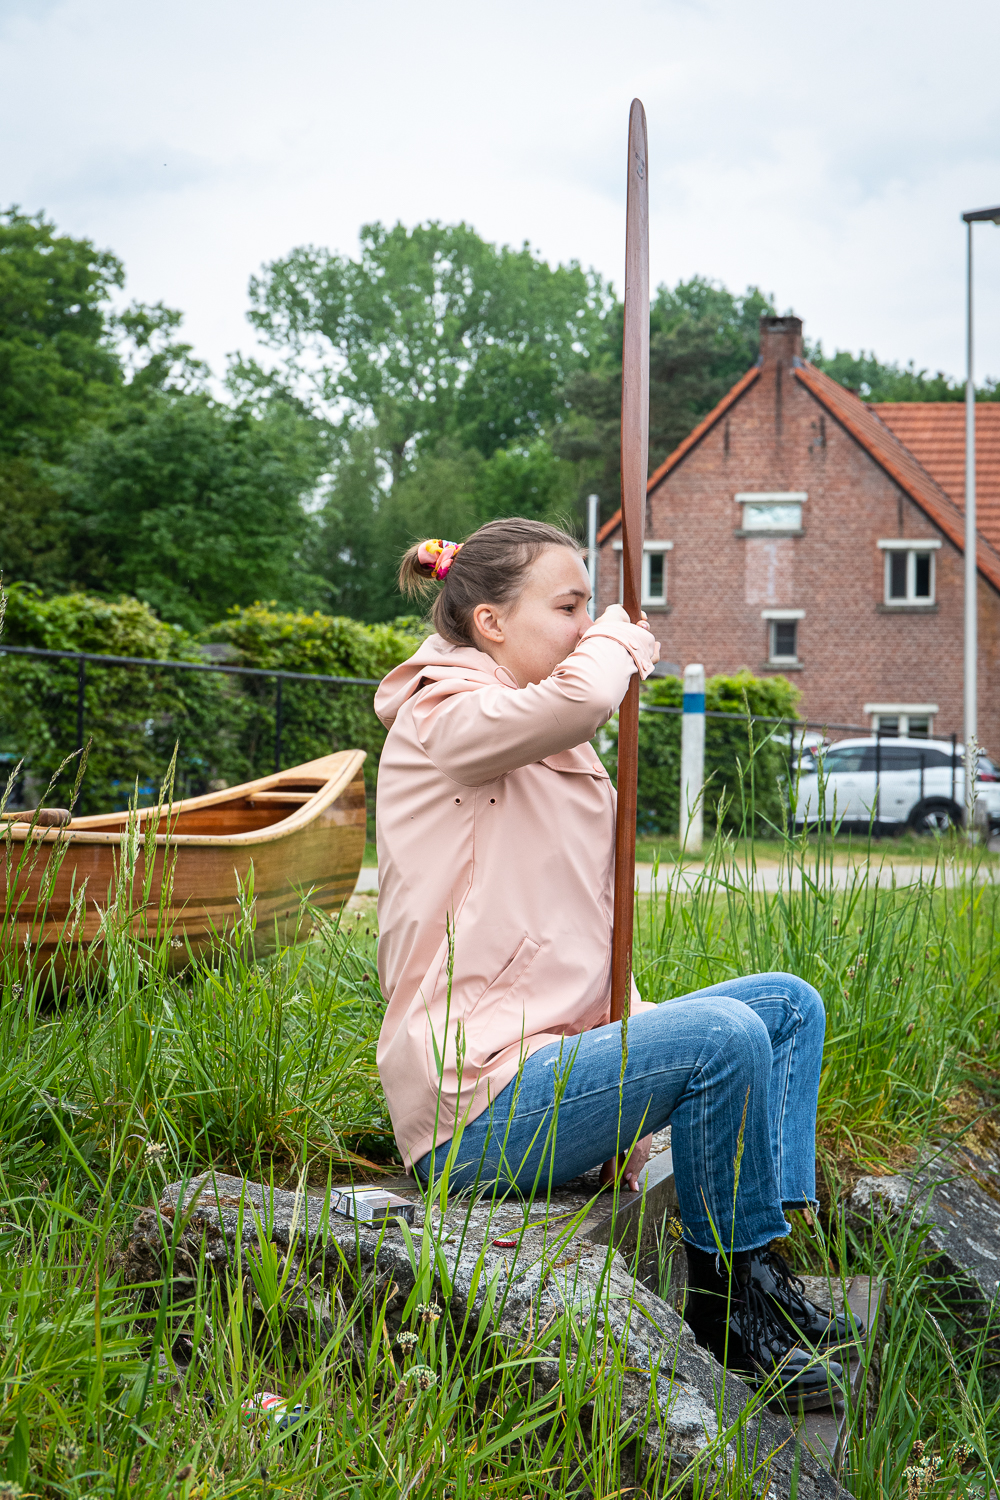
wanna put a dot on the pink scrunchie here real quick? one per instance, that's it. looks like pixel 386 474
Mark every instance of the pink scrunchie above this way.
pixel 436 557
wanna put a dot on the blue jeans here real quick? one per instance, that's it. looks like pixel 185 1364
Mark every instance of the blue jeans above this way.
pixel 743 1055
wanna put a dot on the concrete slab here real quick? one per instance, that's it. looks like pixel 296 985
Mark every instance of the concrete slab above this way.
pixel 827 1434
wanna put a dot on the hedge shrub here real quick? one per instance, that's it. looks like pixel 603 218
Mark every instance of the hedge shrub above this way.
pixel 727 752
pixel 224 724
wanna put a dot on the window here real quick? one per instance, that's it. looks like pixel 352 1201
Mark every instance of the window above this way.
pixel 908 721
pixel 772 510
pixel 837 762
pixel 654 578
pixel 784 640
pixel 654 572
pixel 909 572
pixel 903 757
pixel 783 636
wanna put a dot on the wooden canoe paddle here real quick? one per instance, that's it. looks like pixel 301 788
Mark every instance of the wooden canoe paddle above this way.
pixel 635 450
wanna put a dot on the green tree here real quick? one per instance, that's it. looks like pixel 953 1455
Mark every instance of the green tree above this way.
pixel 365 527
pixel 58 363
pixel 869 378
pixel 702 339
pixel 431 332
pixel 193 506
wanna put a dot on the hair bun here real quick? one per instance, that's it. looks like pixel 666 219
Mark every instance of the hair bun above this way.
pixel 435 556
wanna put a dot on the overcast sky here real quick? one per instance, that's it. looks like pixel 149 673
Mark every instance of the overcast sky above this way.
pixel 823 152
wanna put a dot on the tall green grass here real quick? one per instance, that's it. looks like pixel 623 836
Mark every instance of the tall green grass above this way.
pixel 132 1077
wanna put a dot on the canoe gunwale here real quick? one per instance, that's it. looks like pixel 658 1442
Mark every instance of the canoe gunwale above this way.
pixel 339 769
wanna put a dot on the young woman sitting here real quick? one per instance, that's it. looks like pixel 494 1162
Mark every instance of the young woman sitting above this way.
pixel 495 826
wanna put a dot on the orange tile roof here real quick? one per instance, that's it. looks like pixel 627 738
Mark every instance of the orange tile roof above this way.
pixel 693 437
pixel 934 432
pixel 889 452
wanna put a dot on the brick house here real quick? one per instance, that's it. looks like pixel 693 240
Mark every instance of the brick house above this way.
pixel 799 530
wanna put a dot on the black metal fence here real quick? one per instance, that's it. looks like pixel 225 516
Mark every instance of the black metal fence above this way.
pixel 82 658
pixel 793 727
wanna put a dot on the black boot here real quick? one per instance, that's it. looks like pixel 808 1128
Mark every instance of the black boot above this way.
pixel 732 1319
pixel 803 1320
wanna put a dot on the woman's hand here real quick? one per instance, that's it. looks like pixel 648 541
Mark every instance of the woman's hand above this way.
pixel 618 615
pixel 633 1166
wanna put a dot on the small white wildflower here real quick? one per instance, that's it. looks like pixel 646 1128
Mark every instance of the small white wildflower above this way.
pixel 407 1340
pixel 425 1376
pixel 154 1153
pixel 429 1312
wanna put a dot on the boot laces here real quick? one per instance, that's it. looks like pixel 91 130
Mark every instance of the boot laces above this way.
pixel 764 1338
pixel 792 1286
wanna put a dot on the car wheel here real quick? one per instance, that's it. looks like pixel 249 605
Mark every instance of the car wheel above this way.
pixel 935 817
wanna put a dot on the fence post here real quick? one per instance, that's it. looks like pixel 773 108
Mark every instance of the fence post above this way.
pixel 692 758
pixel 593 501
pixel 277 726
pixel 81 685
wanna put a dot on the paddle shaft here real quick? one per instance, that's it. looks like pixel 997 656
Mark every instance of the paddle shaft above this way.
pixel 635 450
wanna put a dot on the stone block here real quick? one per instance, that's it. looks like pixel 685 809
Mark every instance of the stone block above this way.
pixel 672 1396
pixel 957 1195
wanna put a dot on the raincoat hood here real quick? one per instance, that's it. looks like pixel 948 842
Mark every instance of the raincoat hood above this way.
pixel 436 660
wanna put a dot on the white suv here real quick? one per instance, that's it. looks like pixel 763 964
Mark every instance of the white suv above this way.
pixel 896 781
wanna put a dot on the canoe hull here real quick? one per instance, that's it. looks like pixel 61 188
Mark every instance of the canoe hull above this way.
pixel 296 837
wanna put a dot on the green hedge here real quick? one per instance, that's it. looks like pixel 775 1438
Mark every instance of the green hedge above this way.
pixel 224 725
pixel 727 752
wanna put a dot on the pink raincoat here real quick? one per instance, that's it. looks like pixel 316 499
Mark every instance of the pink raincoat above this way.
pixel 496 824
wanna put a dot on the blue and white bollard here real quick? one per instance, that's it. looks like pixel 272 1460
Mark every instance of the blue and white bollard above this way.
pixel 692 758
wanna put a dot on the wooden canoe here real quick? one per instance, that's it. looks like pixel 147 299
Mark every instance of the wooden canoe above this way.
pixel 300 833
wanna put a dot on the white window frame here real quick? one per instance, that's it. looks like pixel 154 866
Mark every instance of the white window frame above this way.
pixel 910 545
pixel 772 616
pixel 771 497
pixel 903 712
pixel 647 548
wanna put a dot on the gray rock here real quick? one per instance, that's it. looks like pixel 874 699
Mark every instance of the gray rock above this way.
pixel 558 1289
pixel 957 1195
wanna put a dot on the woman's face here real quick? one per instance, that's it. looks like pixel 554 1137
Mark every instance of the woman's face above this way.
pixel 532 635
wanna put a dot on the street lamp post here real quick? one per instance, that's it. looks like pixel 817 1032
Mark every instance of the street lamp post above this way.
pixel 975 216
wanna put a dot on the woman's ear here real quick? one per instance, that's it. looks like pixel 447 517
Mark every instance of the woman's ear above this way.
pixel 486 623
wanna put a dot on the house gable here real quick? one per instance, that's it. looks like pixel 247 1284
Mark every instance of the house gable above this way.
pixel 875 436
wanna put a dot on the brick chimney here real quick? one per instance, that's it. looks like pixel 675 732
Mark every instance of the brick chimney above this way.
pixel 780 341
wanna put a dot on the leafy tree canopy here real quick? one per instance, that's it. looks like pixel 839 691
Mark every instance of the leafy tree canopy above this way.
pixel 869 378
pixel 57 362
pixel 364 527
pixel 432 332
pixel 702 339
pixel 193 506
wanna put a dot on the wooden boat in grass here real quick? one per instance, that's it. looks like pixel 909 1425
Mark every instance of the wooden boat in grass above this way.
pixel 298 835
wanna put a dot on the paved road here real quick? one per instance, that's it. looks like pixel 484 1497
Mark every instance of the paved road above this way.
pixel 771 877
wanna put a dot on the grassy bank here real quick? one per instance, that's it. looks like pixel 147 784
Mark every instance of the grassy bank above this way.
pixel 137 1077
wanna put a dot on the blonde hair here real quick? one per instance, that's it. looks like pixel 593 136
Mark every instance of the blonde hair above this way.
pixel 491 567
